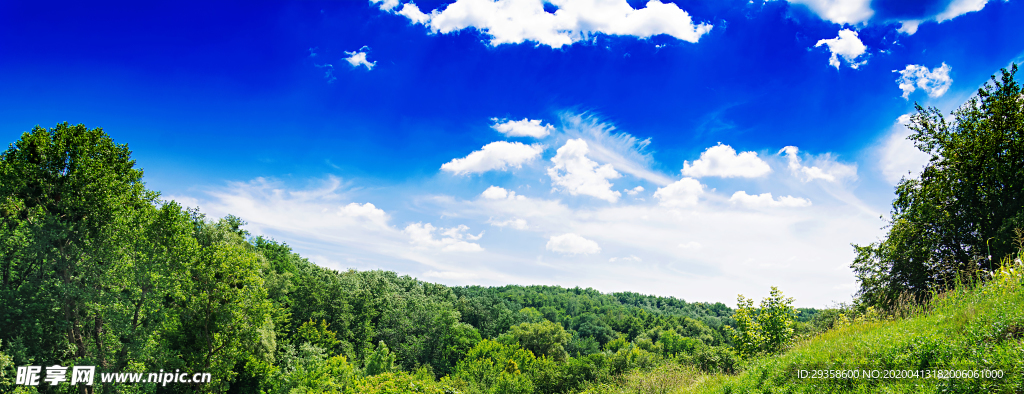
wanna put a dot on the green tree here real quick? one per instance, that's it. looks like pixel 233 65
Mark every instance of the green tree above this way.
pixel 221 315
pixel 83 250
pixel 379 361
pixel 768 329
pixel 543 339
pixel 960 214
pixel 318 334
pixel 493 367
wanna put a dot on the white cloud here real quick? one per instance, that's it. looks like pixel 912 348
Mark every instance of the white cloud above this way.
pixel 709 252
pixel 909 26
pixel 825 167
pixel 517 21
pixel 522 128
pixel 495 193
pixel 960 7
pixel 898 156
pixel 386 5
pixel 935 81
pixel 572 244
pixel 623 151
pixel 366 211
pixel 765 200
pixel 846 45
pixel 840 11
pixel 516 223
pixel 629 259
pixel 634 191
pixel 499 193
pixel 452 239
pixel 577 174
pixel 414 14
pixel 682 193
pixel 358 58
pixel 722 161
pixel 497 155
pixel 954 9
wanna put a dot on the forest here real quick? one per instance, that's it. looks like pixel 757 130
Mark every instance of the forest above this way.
pixel 97 270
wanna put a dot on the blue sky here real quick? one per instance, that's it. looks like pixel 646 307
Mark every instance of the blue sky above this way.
pixel 595 143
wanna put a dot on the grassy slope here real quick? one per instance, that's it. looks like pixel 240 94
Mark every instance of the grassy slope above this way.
pixel 968 329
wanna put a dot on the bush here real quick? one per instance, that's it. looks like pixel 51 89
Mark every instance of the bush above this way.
pixel 766 330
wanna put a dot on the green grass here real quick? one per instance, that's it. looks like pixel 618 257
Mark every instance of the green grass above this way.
pixel 969 328
pixel 979 327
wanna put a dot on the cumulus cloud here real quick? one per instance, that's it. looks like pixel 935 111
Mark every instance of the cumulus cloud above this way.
pixel 453 239
pixel 517 21
pixel 572 244
pixel 366 212
pixel 577 174
pixel 765 200
pixel 358 58
pixel 634 191
pixel 935 81
pixel 825 167
pixel 723 161
pixel 522 128
pixel 898 156
pixel 846 45
pixel 840 11
pixel 680 194
pixel 497 155
pixel 500 193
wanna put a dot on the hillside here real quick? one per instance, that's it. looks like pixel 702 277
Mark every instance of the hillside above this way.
pixel 970 329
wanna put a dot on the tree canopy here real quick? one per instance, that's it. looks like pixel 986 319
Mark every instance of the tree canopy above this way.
pixel 960 215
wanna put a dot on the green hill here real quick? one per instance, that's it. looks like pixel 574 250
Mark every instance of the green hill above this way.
pixel 973 330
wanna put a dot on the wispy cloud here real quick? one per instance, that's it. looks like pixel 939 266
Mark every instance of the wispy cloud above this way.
pixel 625 152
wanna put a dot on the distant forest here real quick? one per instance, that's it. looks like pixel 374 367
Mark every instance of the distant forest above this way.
pixel 98 270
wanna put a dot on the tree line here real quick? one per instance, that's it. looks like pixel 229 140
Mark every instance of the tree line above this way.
pixel 98 270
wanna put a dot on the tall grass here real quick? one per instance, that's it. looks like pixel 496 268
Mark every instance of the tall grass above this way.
pixel 974 326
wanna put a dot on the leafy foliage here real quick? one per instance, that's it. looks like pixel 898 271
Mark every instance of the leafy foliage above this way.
pixel 768 329
pixel 97 270
pixel 959 216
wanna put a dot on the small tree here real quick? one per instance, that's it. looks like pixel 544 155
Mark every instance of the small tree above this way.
pixel 380 360
pixel 543 339
pixel 768 329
